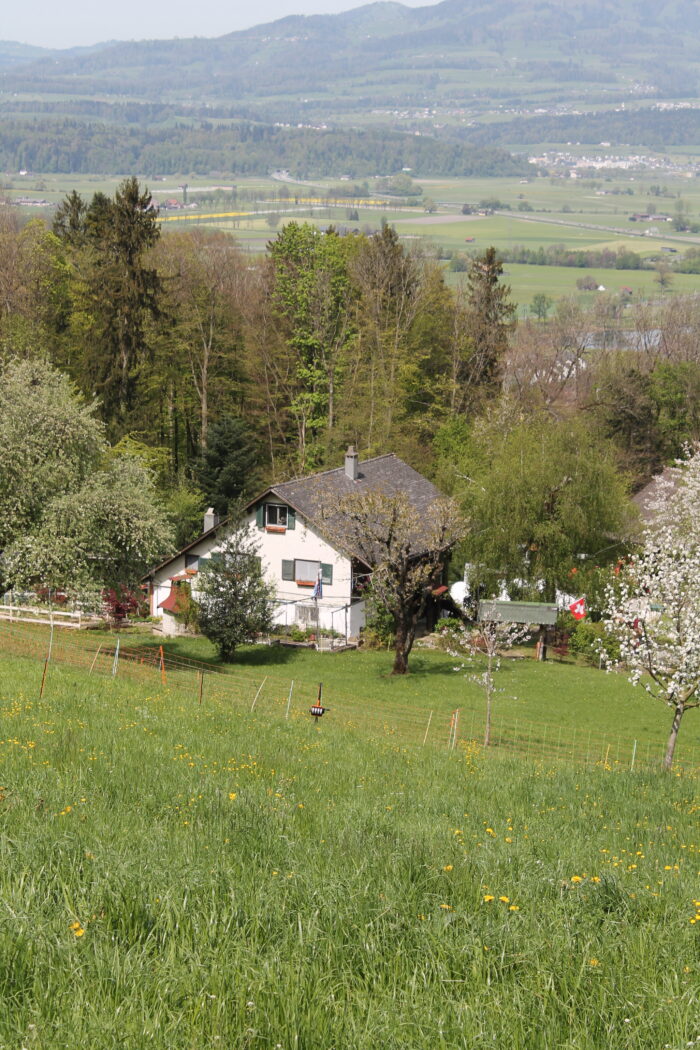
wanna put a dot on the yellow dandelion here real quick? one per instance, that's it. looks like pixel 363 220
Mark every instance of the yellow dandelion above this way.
pixel 506 900
pixel 489 897
pixel 576 878
pixel 232 795
pixel 80 932
pixel 448 867
pixel 74 926
pixel 593 962
pixel 446 907
pixel 513 907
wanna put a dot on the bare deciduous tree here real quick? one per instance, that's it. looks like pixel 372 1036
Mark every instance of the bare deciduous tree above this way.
pixel 406 549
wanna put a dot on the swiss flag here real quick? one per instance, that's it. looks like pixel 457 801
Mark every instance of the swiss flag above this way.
pixel 578 608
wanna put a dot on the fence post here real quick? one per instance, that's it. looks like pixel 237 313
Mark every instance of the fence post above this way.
pixel 94 659
pixel 430 718
pixel 289 701
pixel 201 686
pixel 634 755
pixel 162 667
pixel 456 728
pixel 116 659
pixel 255 698
pixel 43 678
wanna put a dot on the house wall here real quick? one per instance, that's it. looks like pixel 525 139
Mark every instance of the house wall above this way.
pixel 295 603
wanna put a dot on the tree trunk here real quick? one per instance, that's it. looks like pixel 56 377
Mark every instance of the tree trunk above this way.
pixel 402 646
pixel 489 694
pixel 673 736
pixel 400 661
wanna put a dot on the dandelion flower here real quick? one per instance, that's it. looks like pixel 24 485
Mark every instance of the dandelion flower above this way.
pixel 489 897
pixel 448 867
pixel 506 900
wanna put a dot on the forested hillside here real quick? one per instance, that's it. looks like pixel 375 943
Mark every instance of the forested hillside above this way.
pixel 242 148
pixel 294 93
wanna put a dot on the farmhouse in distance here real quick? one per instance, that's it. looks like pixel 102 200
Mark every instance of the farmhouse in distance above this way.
pixel 316 585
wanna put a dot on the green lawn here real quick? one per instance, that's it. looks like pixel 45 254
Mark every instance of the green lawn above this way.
pixel 544 709
pixel 185 876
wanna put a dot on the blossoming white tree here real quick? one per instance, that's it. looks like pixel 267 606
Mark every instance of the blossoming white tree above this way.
pixel 654 608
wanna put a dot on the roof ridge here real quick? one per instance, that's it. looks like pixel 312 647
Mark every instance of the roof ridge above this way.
pixel 333 470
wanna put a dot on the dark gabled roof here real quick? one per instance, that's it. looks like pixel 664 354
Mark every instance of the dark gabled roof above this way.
pixel 314 496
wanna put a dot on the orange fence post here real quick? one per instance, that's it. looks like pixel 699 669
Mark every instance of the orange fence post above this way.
pixel 162 666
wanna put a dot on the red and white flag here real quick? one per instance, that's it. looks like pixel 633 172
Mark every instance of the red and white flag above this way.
pixel 578 609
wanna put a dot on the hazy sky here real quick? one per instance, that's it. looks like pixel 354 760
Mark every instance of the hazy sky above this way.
pixel 73 22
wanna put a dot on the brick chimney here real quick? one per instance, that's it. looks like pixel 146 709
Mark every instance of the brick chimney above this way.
pixel 351 463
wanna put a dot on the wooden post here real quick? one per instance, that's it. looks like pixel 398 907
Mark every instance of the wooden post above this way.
pixel 454 736
pixel 289 701
pixel 634 755
pixel 201 686
pixel 162 667
pixel 94 659
pixel 43 678
pixel 430 718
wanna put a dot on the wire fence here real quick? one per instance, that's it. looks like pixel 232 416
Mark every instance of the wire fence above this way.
pixel 273 696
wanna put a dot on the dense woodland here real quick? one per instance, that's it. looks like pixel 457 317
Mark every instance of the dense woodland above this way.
pixel 218 372
pixel 71 145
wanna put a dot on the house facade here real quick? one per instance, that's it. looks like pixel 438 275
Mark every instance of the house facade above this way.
pixel 316 586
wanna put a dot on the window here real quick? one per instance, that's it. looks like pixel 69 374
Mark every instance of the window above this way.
pixel 305 573
pixel 191 561
pixel 275 516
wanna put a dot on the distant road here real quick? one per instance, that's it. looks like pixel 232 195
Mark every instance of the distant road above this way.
pixel 602 229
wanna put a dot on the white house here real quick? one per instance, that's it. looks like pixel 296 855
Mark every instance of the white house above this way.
pixel 296 557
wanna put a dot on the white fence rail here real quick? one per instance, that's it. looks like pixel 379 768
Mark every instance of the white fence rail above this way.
pixel 43 615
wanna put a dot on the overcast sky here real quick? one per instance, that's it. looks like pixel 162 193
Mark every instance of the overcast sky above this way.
pixel 75 22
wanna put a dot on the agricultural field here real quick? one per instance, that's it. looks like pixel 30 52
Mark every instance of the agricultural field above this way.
pixel 580 214
pixel 192 875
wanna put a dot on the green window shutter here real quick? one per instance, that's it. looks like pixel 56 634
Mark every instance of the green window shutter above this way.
pixel 257 562
pixel 326 573
pixel 287 570
pixel 291 518
pixel 260 515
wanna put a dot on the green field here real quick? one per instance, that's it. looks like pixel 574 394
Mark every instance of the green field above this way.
pixel 185 876
pixel 581 214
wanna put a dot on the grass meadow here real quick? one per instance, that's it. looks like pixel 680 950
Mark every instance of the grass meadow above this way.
pixel 178 875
